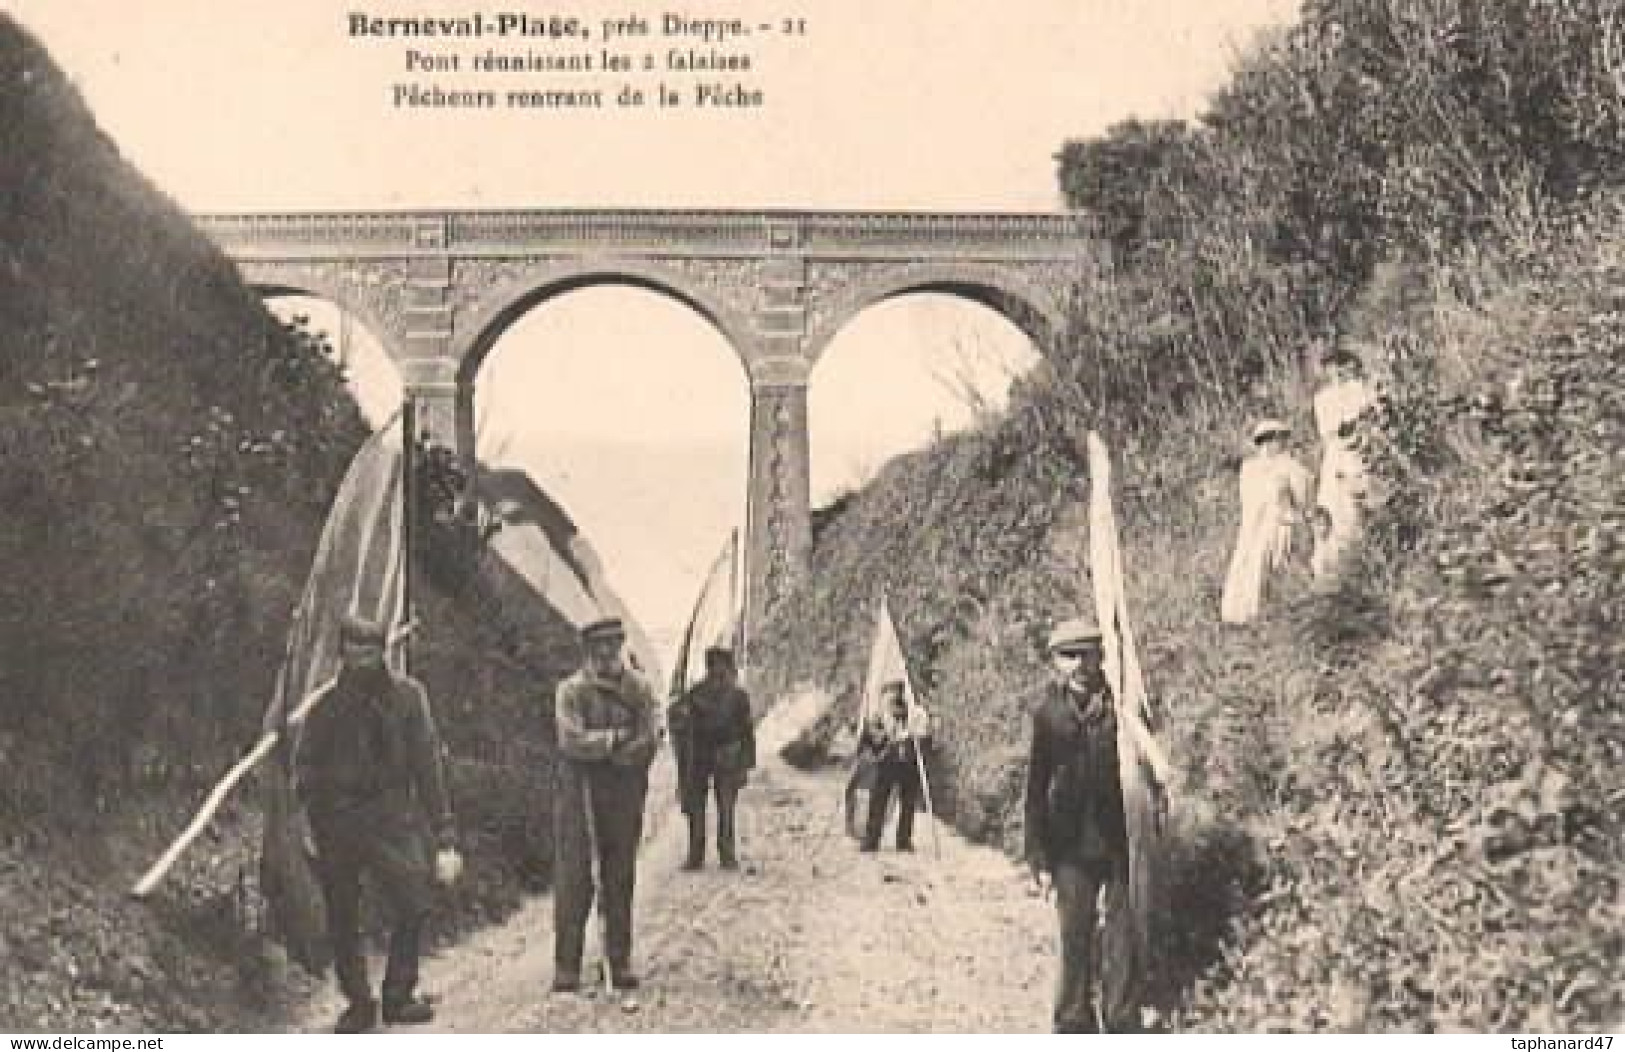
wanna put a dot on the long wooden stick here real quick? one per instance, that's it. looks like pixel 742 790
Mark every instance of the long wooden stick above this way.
pixel 919 748
pixel 925 788
pixel 599 888
pixel 205 814
pixel 409 471
pixel 212 803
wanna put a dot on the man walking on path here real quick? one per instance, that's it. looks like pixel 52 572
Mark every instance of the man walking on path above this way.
pixel 370 778
pixel 1077 836
pixel 894 737
pixel 609 728
pixel 715 739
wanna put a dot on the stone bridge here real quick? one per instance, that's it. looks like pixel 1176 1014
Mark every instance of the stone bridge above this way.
pixel 438 288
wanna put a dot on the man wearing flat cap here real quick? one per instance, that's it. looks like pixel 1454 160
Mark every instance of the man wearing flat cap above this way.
pixel 370 777
pixel 715 740
pixel 609 728
pixel 892 739
pixel 1076 831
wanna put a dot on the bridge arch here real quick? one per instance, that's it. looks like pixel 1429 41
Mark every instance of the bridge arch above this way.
pixel 1033 308
pixel 335 291
pixel 497 310
pixel 438 288
pixel 364 345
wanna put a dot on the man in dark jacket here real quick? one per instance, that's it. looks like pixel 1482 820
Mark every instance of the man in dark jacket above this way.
pixel 715 739
pixel 893 739
pixel 1077 838
pixel 609 728
pixel 370 778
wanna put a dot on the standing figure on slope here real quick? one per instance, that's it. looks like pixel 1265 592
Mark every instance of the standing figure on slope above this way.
pixel 1274 496
pixel 1077 840
pixel 1343 479
pixel 609 729
pixel 894 737
pixel 715 740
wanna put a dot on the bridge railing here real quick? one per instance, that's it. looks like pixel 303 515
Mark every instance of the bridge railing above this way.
pixel 648 230
pixel 836 230
pixel 368 229
pixel 603 227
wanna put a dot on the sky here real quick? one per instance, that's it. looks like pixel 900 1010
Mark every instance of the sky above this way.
pixel 625 405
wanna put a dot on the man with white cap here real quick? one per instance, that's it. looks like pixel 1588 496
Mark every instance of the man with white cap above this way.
pixel 1274 497
pixel 370 776
pixel 1076 831
pixel 609 728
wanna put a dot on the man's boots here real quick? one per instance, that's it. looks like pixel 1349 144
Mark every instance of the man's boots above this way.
pixel 725 839
pixel 358 1018
pixel 411 1011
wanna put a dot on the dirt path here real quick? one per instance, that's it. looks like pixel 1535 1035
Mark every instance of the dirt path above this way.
pixel 809 936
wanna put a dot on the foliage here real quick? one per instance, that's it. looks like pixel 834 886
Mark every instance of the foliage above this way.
pixel 1399 801
pixel 451 534
pixel 171 450
pixel 1364 133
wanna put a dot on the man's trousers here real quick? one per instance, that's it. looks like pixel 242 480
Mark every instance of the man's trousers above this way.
pixel 394 856
pixel 1089 949
pixel 614 795
pixel 704 779
pixel 904 778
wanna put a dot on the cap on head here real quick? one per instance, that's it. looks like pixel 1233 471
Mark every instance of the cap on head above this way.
pixel 353 628
pixel 603 629
pixel 1075 632
pixel 718 656
pixel 1269 428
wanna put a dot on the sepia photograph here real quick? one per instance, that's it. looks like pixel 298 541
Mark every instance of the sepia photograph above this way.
pixel 763 516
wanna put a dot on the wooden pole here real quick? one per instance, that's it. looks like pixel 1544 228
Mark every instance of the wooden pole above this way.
pixel 925 788
pixel 605 975
pixel 919 750
pixel 200 821
pixel 409 503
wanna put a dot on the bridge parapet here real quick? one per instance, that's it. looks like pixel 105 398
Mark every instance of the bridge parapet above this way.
pixel 910 235
pixel 272 234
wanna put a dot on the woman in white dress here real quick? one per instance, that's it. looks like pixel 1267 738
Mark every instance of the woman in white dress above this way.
pixel 1343 482
pixel 1274 496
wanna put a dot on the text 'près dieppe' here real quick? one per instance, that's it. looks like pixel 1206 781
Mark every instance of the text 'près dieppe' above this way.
pixel 530 25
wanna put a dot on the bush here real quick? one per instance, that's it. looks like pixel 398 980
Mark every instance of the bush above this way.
pixel 1396 800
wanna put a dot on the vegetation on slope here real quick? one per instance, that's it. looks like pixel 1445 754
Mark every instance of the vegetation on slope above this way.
pixel 170 451
pixel 1400 805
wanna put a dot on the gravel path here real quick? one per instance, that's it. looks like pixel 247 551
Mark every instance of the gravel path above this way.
pixel 809 936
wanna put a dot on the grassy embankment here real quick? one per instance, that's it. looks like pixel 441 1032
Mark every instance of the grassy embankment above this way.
pixel 170 450
pixel 1399 803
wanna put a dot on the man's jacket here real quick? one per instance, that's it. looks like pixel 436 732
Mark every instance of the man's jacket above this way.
pixel 1074 789
pixel 369 749
pixel 608 720
pixel 712 729
pixel 887 739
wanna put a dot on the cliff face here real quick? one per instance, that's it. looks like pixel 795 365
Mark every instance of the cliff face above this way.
pixel 1397 803
pixel 170 450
